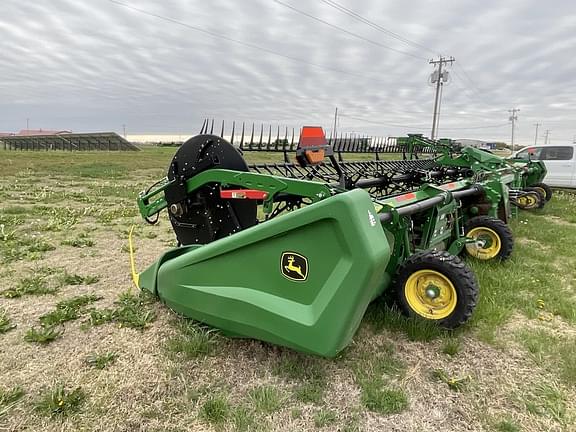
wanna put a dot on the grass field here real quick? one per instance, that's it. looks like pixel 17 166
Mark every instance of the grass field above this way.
pixel 81 350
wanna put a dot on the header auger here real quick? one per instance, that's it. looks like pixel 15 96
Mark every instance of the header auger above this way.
pixel 293 252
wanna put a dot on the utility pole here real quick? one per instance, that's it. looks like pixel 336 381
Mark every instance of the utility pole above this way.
pixel 335 121
pixel 124 130
pixel 536 134
pixel 546 135
pixel 27 124
pixel 439 79
pixel 513 119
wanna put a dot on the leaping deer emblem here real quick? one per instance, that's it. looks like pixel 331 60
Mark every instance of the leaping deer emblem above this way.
pixel 294 268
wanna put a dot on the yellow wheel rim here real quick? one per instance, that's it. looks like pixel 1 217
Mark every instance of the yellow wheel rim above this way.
pixel 430 294
pixel 487 243
pixel 527 201
pixel 522 202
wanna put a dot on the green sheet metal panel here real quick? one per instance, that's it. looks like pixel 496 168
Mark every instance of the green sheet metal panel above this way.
pixel 247 285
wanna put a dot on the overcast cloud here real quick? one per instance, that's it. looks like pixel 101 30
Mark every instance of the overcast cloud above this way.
pixel 96 65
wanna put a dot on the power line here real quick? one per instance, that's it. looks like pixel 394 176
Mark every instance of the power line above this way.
pixel 320 20
pixel 374 25
pixel 476 88
pixel 401 38
pixel 237 41
pixel 466 89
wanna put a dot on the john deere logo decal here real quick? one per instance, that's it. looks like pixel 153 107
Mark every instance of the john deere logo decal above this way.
pixel 294 266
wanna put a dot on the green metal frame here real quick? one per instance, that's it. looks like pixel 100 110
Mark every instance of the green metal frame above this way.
pixel 154 201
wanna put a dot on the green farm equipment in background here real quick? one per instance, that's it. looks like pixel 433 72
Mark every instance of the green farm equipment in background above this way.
pixel 523 179
pixel 293 252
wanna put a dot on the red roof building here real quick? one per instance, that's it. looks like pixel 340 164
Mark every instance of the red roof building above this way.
pixel 32 132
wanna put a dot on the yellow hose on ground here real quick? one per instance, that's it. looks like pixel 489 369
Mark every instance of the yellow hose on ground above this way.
pixel 135 275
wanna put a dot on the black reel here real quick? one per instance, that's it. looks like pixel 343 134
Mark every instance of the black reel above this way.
pixel 201 216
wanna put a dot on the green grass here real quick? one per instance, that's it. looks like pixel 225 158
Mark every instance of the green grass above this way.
pixel 99 170
pixel 451 347
pixel 215 410
pixel 59 316
pixel 383 400
pixel 374 371
pixel 68 310
pixel 325 417
pixel 380 316
pixel 568 362
pixel 133 311
pixel 33 285
pixel 11 395
pixel 6 323
pixel 130 310
pixel 192 341
pixel 43 335
pixel 101 360
pixel 24 247
pixel 551 352
pixel 244 420
pixel 98 317
pixel 507 426
pixel 266 399
pixel 530 282
pixel 546 400
pixel 81 241
pixel 58 401
pixel 75 279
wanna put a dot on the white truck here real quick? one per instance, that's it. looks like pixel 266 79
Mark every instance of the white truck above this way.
pixel 560 161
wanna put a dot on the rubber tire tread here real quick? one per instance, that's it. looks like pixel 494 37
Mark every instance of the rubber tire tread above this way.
pixel 498 226
pixel 461 276
pixel 547 188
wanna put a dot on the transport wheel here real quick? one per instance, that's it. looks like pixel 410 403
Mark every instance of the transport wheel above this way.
pixel 544 189
pixel 437 286
pixel 493 239
pixel 528 200
pixel 541 196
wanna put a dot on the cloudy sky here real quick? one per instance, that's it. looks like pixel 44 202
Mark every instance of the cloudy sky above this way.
pixel 162 66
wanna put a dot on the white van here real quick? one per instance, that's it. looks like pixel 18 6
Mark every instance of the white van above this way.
pixel 560 161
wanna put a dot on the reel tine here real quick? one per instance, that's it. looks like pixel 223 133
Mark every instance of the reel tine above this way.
pixel 222 130
pixel 203 125
pixel 277 138
pixel 232 136
pixel 292 141
pixel 251 137
pixel 261 136
pixel 212 127
pixel 269 136
pixel 242 137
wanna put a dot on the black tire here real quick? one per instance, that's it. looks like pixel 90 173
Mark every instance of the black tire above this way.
pixel 450 267
pixel 493 226
pixel 541 196
pixel 527 205
pixel 547 190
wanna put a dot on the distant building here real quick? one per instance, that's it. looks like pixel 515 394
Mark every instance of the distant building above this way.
pixel 32 132
pixel 484 145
